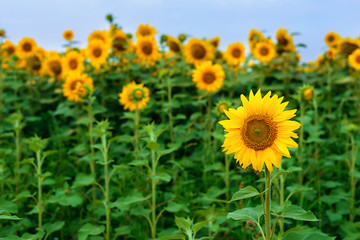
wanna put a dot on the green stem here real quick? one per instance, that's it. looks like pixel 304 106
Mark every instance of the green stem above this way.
pixel 352 179
pixel 39 202
pixel 92 162
pixel 102 85
pixel 107 182
pixel 18 157
pixel 316 156
pixel 171 130
pixel 136 126
pixel 282 186
pixel 267 203
pixel 153 188
pixel 227 178
pixel 301 143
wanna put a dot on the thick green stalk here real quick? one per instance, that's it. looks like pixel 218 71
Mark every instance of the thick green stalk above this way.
pixel 316 156
pixel 18 157
pixel 39 202
pixel 153 191
pixel 92 162
pixel 352 179
pixel 301 143
pixel 227 178
pixel 136 126
pixel 267 203
pixel 171 130
pixel 282 186
pixel 107 181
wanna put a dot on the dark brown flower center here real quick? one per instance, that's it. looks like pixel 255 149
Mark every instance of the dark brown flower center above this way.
pixel 209 77
pixel 97 52
pixel 27 47
pixel 10 50
pixel 259 132
pixel 147 48
pixel 264 51
pixel 283 41
pixel 174 47
pixel 236 53
pixel 331 38
pixel 119 44
pixel 198 51
pixel 74 83
pixel 55 67
pixel 35 63
pixel 357 59
pixel 347 48
pixel 73 64
pixel 145 31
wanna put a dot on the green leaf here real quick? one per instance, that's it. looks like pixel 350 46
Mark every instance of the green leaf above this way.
pixel 5 215
pixel 182 223
pixel 196 227
pixel 247 214
pixel 152 145
pixel 7 206
pixel 53 227
pixel 90 229
pixel 246 192
pixel 83 180
pixel 22 195
pixel 176 207
pixel 305 233
pixel 297 213
pixel 123 203
pixel 36 236
pixel 285 172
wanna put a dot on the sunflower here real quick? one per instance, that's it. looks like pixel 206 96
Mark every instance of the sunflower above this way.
pixel 174 45
pixel 331 54
pixel 307 93
pixel 8 49
pixel 53 65
pixel 214 41
pixel 35 62
pixel 2 33
pixel 332 39
pixel 255 36
pixel 264 51
pixel 103 36
pixel 73 62
pixel 147 49
pixel 354 59
pixel 208 77
pixel 68 35
pixel 320 61
pixel 348 45
pixel 145 30
pixel 285 41
pixel 221 106
pixel 134 96
pixel 260 131
pixel 26 47
pixel 97 52
pixel 235 53
pixel 74 86
pixel 197 51
pixel 120 43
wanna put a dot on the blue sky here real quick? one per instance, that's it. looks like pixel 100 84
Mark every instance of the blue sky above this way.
pixel 45 20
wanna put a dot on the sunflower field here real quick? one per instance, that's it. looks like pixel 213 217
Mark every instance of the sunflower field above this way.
pixel 149 136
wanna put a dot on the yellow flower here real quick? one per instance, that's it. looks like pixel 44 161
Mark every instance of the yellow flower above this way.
pixel 331 54
pixel 221 106
pixel 310 67
pixel 97 52
pixel 2 33
pixel 147 49
pixel 285 41
pixel 145 30
pixel 53 65
pixel 73 62
pixel 26 47
pixel 260 131
pixel 120 42
pixel 208 77
pixel 68 35
pixel 134 95
pixel 348 45
pixel 197 51
pixel 214 41
pixel 264 51
pixel 308 94
pixel 354 59
pixel 8 49
pixel 74 89
pixel 332 39
pixel 255 36
pixel 103 36
pixel 320 61
pixel 235 53
pixel 35 62
pixel 174 45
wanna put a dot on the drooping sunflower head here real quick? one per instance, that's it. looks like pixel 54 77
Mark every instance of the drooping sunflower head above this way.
pixel 53 65
pixel 331 54
pixel 36 61
pixel 101 35
pixel 235 53
pixel 147 50
pixel 208 77
pixel 8 49
pixel 348 46
pixel 260 131
pixel 73 62
pixel 120 42
pixel 320 61
pixel 255 36
pixel 332 39
pixel 2 33
pixel 214 41
pixel 97 52
pixel 26 47
pixel 174 45
pixel 264 51
pixel 354 59
pixel 198 51
pixel 74 88
pixel 134 96
pixel 221 106
pixel 68 35
pixel 182 37
pixel 284 40
pixel 145 30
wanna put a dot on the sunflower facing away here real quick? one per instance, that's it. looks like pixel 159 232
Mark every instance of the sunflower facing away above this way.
pixel 255 36
pixel 354 59
pixel 74 88
pixel 26 47
pixel 147 49
pixel 120 42
pixel 208 77
pixel 101 35
pixel 235 53
pixel 348 45
pixel 73 62
pixel 8 49
pixel 197 51
pixel 264 51
pixel 285 41
pixel 332 39
pixel 174 45
pixel 53 65
pixel 97 52
pixel 260 131
pixel 134 95
pixel 214 41
pixel 68 35
pixel 145 30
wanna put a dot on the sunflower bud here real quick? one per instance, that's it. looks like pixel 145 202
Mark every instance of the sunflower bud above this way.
pixel 137 94
pixel 2 33
pixel 221 106
pixel 182 37
pixel 306 93
pixel 110 18
pixel 163 38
